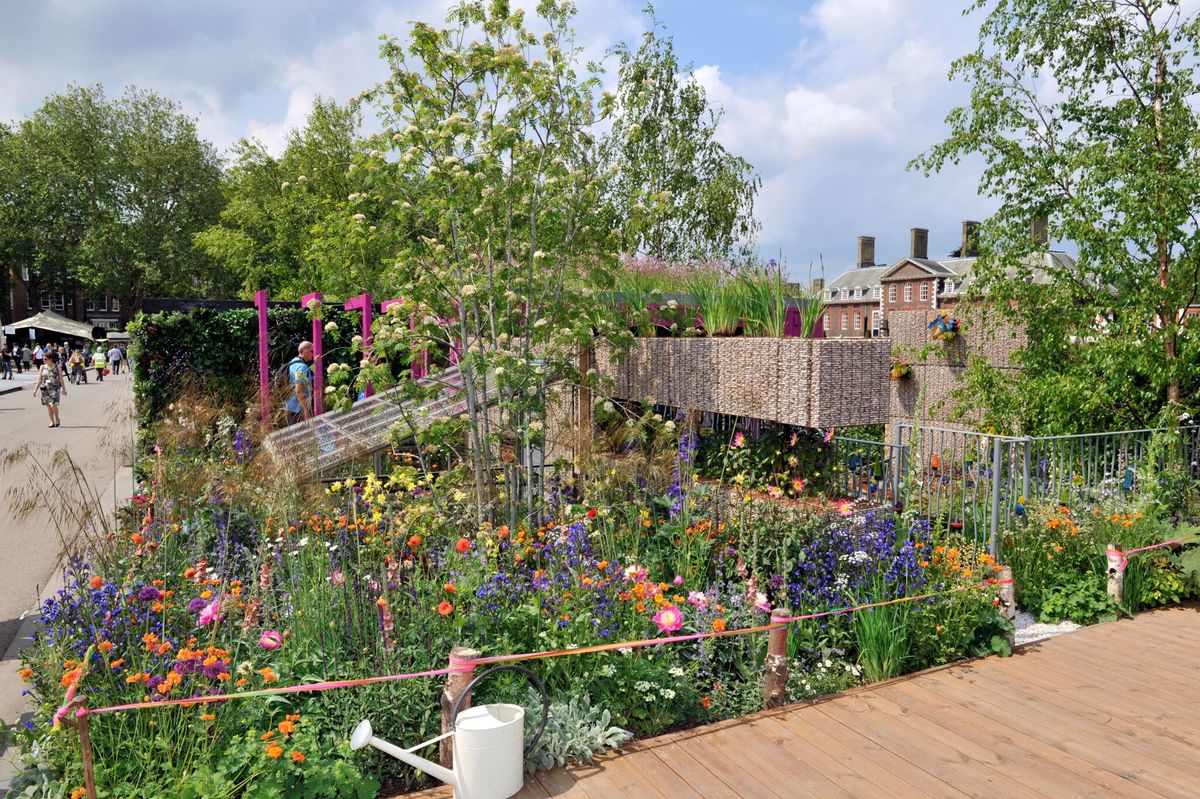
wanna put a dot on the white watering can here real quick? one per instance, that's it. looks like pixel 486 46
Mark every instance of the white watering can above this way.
pixel 489 758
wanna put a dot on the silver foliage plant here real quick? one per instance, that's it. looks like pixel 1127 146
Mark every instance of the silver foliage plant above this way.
pixel 575 731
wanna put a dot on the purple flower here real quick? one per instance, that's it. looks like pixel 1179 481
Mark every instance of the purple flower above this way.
pixel 149 594
pixel 196 605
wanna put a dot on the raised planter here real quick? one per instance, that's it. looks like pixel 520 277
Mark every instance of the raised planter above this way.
pixel 814 383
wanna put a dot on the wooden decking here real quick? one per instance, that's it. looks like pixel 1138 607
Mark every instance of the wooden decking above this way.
pixel 1112 710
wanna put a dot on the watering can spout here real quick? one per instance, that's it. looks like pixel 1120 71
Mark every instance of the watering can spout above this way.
pixel 363 736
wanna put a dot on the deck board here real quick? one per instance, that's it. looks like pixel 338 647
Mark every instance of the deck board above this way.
pixel 1107 711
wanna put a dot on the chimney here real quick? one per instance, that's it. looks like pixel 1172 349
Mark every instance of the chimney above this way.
pixel 970 239
pixel 1037 230
pixel 818 284
pixel 866 251
pixel 919 237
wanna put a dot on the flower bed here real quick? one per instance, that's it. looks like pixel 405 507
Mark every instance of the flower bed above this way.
pixel 222 581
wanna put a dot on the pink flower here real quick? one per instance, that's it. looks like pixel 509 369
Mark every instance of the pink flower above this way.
pixel 829 434
pixel 271 639
pixel 792 440
pixel 739 441
pixel 698 599
pixel 844 507
pixel 669 619
pixel 798 485
pixel 678 580
pixel 211 613
pixel 774 492
pixel 761 602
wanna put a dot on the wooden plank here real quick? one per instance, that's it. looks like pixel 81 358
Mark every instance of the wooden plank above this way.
pixel 1078 777
pixel 1063 732
pixel 754 742
pixel 708 783
pixel 745 774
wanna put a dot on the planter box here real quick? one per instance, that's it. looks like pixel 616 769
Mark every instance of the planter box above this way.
pixel 814 383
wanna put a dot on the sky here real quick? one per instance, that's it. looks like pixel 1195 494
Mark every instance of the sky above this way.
pixel 828 99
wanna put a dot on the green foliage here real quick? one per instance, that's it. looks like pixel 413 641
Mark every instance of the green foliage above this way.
pixel 674 191
pixel 107 193
pixel 1082 599
pixel 216 353
pixel 765 301
pixel 882 636
pixel 576 731
pixel 720 300
pixel 1084 114
pixel 827 674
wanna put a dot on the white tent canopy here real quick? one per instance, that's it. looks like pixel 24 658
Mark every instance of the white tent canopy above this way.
pixel 56 323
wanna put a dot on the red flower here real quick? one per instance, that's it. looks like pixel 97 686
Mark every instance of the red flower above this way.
pixel 445 608
pixel 462 545
pixel 591 514
pixel 414 541
pixel 448 588
pixel 97 582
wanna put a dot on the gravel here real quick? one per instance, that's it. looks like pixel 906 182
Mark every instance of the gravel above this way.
pixel 1029 630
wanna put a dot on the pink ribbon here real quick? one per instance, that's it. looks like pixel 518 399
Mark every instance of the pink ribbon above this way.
pixel 1124 555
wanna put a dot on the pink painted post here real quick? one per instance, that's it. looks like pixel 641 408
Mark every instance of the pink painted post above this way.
pixel 420 365
pixel 264 378
pixel 318 352
pixel 363 302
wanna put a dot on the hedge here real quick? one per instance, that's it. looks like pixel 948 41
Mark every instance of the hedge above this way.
pixel 217 352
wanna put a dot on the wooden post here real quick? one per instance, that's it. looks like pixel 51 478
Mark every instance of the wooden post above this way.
pixel 776 672
pixel 456 682
pixel 1116 573
pixel 80 723
pixel 585 432
pixel 1008 594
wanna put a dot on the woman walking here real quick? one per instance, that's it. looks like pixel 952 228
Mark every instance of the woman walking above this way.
pixel 51 384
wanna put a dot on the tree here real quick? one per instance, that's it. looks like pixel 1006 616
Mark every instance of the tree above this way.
pixel 282 225
pixel 109 193
pixel 1084 113
pixel 675 192
pixel 493 136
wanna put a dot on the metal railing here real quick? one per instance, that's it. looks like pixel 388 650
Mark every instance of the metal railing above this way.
pixel 976 484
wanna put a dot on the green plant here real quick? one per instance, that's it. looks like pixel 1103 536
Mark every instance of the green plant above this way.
pixel 829 673
pixel 1083 600
pixel 721 302
pixel 765 299
pixel 882 637
pixel 575 731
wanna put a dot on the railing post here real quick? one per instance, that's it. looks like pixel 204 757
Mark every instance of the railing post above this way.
pixel 1026 477
pixel 776 672
pixel 997 467
pixel 897 457
pixel 456 683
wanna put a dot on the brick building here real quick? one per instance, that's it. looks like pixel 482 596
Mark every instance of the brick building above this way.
pixel 28 296
pixel 852 301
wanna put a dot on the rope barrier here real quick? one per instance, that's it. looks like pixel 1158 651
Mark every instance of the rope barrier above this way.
pixel 458 665
pixel 1124 554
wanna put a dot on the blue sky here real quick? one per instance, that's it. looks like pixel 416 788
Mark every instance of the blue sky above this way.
pixel 829 99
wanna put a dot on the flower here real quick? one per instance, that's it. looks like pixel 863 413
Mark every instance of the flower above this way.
pixel 286 727
pixel 207 716
pixel 211 613
pixel 718 625
pixel 274 751
pixel 829 434
pixel 97 582
pixel 468 290
pixel 669 619
pixel 739 441
pixel 774 492
pixel 445 608
pixel 297 757
pixel 448 588
pixel 414 541
pixel 462 545
pixel 271 639
pixel 798 485
pixel 591 514
pixel 844 507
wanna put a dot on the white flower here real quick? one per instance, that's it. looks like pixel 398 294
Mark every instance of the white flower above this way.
pixel 304 541
pixel 313 303
pixel 668 425
pixel 331 327
pixel 302 179
pixel 667 693
pixel 535 426
pixel 359 218
pixel 538 255
pixel 468 290
pixel 676 671
pixel 357 340
pixel 284 185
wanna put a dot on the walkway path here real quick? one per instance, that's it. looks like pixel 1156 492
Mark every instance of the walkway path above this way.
pixel 1108 711
pixel 97 435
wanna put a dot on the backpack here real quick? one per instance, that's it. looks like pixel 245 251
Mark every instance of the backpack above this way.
pixel 281 382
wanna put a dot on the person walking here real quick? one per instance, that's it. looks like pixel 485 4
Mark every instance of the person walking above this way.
pixel 39 356
pixel 114 358
pixel 6 362
pixel 99 363
pixel 26 358
pixel 78 368
pixel 300 382
pixel 51 386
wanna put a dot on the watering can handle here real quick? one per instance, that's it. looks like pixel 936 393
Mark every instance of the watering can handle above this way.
pixel 529 675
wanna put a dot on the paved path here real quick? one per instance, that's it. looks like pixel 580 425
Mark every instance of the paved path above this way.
pixel 97 434
pixel 1108 711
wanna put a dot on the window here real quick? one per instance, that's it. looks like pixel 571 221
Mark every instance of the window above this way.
pixel 831 292
pixel 876 321
pixel 857 321
pixel 104 303
pixel 858 294
pixel 891 293
pixel 91 305
pixel 908 293
pixel 845 319
pixel 116 304
pixel 25 273
pixel 59 301
pixel 827 327
pixel 45 302
pixel 877 293
pixel 924 291
pixel 845 294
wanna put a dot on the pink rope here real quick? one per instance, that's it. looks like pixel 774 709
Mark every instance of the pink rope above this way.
pixel 1124 555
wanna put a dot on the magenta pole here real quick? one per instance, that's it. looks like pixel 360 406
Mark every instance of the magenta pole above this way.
pixel 318 352
pixel 418 367
pixel 363 303
pixel 264 378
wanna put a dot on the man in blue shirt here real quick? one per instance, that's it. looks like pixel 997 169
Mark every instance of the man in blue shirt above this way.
pixel 300 384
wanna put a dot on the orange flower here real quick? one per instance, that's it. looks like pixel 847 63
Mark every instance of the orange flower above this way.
pixel 105 646
pixel 79 793
pixel 445 608
pixel 292 717
pixel 207 716
pixel 286 727
pixel 70 678
pixel 97 581
pixel 462 545
pixel 138 539
pixel 414 541
pixel 274 751
pixel 448 588
pixel 718 625
pixel 268 735
pixel 706 702
pixel 26 674
pixel 189 572
pixel 297 757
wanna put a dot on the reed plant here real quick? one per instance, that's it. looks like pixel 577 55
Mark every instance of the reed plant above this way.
pixel 721 301
pixel 765 295
pixel 882 636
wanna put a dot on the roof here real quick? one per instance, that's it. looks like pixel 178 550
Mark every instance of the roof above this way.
pixel 57 323
pixel 865 278
pixel 928 264
pixel 957 273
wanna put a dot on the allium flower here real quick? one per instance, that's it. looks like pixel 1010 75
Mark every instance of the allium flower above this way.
pixel 196 605
pixel 669 619
pixel 149 594
pixel 271 639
